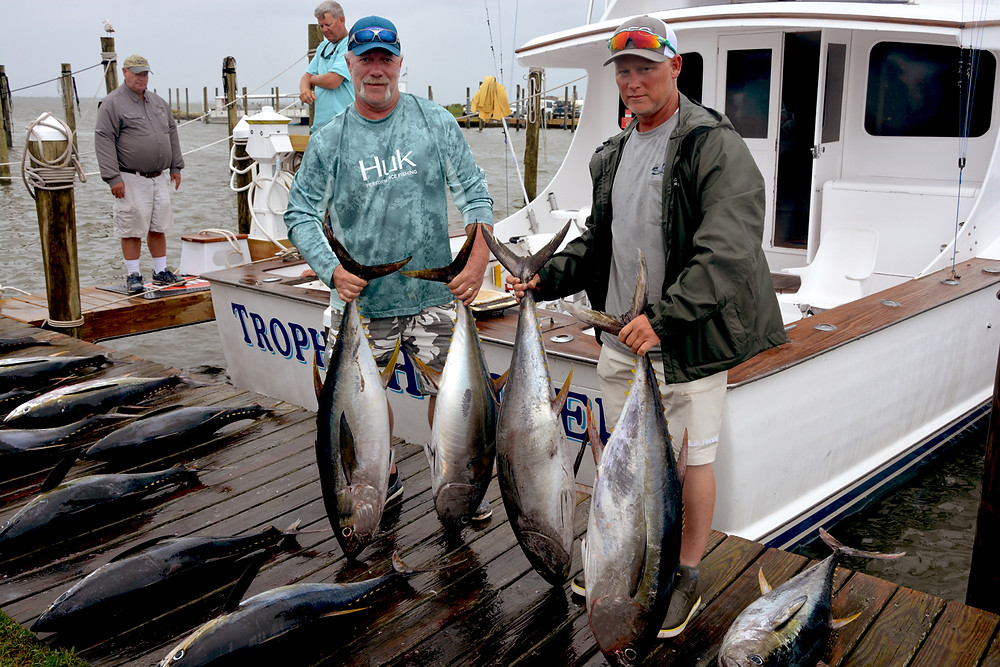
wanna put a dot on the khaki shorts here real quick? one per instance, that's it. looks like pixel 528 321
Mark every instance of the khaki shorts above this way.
pixel 425 335
pixel 695 406
pixel 144 208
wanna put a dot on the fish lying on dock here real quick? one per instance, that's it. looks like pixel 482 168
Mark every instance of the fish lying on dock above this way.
pixel 534 464
pixel 76 401
pixel 8 344
pixel 136 582
pixel 353 448
pixel 11 399
pixel 34 371
pixel 462 448
pixel 60 507
pixel 154 433
pixel 270 614
pixel 633 542
pixel 790 625
pixel 16 441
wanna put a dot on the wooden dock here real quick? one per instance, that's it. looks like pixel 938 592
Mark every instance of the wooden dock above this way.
pixel 109 315
pixel 484 606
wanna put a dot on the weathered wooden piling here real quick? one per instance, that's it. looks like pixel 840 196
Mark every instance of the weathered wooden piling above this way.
pixel 204 103
pixel 314 37
pixel 110 61
pixel 536 115
pixel 5 118
pixel 984 576
pixel 5 123
pixel 242 160
pixel 49 148
pixel 67 95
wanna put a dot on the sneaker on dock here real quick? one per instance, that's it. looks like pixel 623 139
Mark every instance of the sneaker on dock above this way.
pixel 684 602
pixel 395 490
pixel 134 283
pixel 165 277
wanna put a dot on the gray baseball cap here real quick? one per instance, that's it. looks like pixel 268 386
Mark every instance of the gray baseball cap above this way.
pixel 137 64
pixel 643 36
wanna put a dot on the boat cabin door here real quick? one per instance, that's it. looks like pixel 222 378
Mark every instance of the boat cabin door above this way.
pixel 772 87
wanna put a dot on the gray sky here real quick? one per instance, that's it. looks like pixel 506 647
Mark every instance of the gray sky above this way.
pixel 446 43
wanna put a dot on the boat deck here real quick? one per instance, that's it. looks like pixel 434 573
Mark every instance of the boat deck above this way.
pixel 483 605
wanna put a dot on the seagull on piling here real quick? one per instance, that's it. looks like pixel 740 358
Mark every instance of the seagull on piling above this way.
pixel 108 28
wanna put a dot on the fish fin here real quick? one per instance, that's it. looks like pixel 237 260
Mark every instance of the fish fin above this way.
pixel 641 296
pixel 448 273
pixel 765 587
pixel 160 411
pixel 390 366
pixel 254 561
pixel 289 535
pixel 131 551
pixel 788 613
pixel 348 460
pixel 560 399
pixel 839 548
pixel 595 318
pixel 58 473
pixel 500 382
pixel 360 270
pixel 399 566
pixel 682 459
pixel 596 446
pixel 432 375
pixel 341 612
pixel 317 382
pixel 841 622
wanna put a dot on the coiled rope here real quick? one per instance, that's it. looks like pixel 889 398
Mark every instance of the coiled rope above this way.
pixel 40 173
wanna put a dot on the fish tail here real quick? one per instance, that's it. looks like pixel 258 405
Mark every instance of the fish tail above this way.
pixel 448 273
pixel 358 269
pixel 839 548
pixel 523 267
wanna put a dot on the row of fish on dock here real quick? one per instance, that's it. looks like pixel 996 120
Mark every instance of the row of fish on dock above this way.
pixel 630 552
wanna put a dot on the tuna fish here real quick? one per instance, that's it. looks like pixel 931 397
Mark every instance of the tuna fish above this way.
pixel 15 441
pixel 270 614
pixel 11 344
pixel 155 433
pixel 789 625
pixel 81 500
pixel 34 371
pixel 462 448
pixel 76 401
pixel 353 439
pixel 534 464
pixel 135 582
pixel 632 547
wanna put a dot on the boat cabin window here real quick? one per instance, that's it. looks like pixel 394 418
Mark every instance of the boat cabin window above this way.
pixel 836 59
pixel 748 91
pixel 692 75
pixel 914 90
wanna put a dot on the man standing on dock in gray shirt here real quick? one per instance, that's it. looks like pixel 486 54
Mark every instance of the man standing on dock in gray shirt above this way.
pixel 137 145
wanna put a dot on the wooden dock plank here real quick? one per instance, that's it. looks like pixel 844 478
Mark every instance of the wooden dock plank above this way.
pixel 480 603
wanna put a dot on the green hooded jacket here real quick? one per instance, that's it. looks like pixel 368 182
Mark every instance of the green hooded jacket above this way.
pixel 717 306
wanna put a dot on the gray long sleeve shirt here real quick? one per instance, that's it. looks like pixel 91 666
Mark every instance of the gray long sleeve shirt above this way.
pixel 130 134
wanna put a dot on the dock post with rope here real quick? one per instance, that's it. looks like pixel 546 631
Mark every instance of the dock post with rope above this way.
pixel 536 114
pixel 243 178
pixel 50 176
pixel 109 60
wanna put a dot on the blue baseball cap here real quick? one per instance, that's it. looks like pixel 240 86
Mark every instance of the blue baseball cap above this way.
pixel 373 32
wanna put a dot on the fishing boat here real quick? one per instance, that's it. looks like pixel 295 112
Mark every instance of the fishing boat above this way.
pixel 875 126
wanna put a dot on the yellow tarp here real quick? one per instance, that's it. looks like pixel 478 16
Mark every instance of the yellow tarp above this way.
pixel 490 101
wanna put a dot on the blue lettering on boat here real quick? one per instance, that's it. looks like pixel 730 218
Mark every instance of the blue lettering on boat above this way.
pixel 291 339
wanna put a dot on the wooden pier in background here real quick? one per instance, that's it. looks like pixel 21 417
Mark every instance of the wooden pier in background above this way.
pixel 108 315
pixel 484 605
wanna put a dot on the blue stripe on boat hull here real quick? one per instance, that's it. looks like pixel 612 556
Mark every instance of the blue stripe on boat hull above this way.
pixel 858 495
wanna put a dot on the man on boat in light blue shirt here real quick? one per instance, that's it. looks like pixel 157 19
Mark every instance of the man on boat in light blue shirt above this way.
pixel 327 82
pixel 382 171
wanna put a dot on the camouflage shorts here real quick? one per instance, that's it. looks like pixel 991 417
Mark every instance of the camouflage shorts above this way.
pixel 425 335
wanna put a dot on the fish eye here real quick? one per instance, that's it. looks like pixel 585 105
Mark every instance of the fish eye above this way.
pixel 178 655
pixel 347 531
pixel 755 659
pixel 630 653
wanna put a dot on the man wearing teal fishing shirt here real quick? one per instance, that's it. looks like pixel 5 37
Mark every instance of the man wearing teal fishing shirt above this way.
pixel 327 83
pixel 382 170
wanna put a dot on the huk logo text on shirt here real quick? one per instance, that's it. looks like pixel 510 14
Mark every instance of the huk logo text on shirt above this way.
pixel 382 168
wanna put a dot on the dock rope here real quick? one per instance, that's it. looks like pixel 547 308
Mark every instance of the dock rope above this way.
pixel 40 173
pixel 233 243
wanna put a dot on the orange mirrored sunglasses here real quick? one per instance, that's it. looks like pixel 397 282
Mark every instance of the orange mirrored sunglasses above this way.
pixel 642 38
